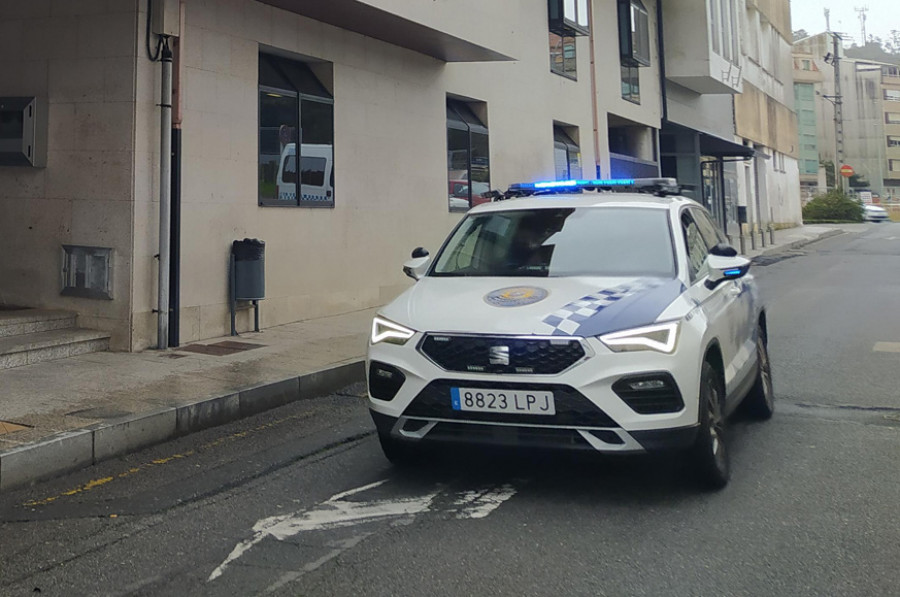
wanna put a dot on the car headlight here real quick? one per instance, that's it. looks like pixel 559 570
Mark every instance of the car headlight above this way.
pixel 660 337
pixel 384 330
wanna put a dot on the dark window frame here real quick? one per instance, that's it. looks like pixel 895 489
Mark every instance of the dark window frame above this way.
pixel 634 33
pixel 293 79
pixel 461 118
pixel 563 140
pixel 567 67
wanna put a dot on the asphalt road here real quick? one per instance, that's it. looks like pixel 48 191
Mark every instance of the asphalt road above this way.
pixel 300 501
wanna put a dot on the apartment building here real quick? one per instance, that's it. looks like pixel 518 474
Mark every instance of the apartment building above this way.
pixel 342 134
pixel 869 96
pixel 764 116
pixel 809 82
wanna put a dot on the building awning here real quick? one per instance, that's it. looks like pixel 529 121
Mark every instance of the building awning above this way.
pixel 365 19
pixel 722 148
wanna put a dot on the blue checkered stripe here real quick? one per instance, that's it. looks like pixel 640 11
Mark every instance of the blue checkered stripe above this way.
pixel 567 320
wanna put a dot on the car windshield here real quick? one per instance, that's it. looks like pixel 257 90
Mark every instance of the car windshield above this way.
pixel 602 241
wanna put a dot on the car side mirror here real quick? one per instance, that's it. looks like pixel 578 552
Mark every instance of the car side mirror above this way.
pixel 723 250
pixel 725 268
pixel 416 267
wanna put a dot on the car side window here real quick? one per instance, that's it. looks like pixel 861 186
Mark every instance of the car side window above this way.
pixel 696 246
pixel 710 232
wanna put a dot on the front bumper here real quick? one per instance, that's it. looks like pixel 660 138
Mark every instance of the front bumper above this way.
pixel 591 415
pixel 614 440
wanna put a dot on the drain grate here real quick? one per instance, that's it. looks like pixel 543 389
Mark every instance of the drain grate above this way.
pixel 7 427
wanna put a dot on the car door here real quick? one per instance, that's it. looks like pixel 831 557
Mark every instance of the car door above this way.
pixel 719 305
pixel 741 315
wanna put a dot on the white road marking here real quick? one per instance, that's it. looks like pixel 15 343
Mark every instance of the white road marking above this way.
pixel 478 504
pixel 335 513
pixel 341 547
pixel 886 347
pixel 330 514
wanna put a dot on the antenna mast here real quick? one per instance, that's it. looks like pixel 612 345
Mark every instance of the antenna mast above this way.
pixel 862 10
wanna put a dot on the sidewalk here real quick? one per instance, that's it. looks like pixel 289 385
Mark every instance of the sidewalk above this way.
pixel 68 414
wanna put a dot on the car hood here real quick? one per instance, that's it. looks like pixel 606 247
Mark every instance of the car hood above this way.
pixel 582 306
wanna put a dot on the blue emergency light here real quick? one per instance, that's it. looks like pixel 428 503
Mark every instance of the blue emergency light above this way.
pixel 662 186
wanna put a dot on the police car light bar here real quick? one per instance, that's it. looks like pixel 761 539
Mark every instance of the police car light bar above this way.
pixel 662 186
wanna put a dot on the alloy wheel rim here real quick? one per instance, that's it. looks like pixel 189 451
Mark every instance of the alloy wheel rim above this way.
pixel 765 373
pixel 715 425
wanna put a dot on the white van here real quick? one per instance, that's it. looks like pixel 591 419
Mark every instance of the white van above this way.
pixel 316 172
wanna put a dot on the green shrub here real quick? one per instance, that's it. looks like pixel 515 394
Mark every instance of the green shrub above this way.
pixel 833 206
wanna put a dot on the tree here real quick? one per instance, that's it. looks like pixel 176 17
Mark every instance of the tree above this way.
pixel 800 34
pixel 878 50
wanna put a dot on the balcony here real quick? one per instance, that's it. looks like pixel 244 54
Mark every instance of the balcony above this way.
pixel 700 54
pixel 463 31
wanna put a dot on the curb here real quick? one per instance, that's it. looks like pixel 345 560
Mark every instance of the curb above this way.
pixel 73 450
pixel 801 242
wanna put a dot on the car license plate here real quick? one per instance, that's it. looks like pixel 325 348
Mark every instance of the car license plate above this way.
pixel 523 402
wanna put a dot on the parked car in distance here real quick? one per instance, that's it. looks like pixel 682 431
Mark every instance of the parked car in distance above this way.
pixel 874 213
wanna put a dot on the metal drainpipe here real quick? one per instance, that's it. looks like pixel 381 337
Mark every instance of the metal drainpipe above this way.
pixel 594 106
pixel 165 197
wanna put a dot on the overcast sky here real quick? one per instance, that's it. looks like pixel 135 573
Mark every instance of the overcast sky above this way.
pixel 883 16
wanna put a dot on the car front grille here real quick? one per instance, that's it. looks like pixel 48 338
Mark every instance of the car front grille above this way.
pixel 502 355
pixel 572 408
pixel 534 437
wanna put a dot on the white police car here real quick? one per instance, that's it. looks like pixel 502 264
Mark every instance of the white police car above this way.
pixel 616 322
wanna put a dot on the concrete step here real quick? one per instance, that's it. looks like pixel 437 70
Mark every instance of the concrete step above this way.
pixel 36 347
pixel 29 321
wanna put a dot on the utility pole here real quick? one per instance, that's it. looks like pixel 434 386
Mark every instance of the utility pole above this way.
pixel 827 19
pixel 838 114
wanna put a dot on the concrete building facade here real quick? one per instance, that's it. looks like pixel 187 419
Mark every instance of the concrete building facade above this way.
pixel 342 134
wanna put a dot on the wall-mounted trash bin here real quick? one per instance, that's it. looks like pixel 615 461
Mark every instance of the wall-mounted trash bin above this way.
pixel 249 269
pixel 248 276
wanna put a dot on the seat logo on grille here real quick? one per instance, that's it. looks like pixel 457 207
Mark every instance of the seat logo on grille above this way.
pixel 499 355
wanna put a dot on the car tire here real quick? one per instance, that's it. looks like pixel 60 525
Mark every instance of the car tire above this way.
pixel 760 402
pixel 709 454
pixel 399 453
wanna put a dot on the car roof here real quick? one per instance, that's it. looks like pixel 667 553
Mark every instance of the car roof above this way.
pixel 586 200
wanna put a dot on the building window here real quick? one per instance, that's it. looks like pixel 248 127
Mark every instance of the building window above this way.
pixel 892 117
pixel 562 55
pixel 468 158
pixel 569 17
pixel 892 95
pixel 295 110
pixel 890 71
pixel 631 84
pixel 87 272
pixel 634 33
pixel 894 165
pixel 566 153
pixel 893 141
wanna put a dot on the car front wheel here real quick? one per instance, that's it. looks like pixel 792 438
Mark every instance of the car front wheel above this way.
pixel 760 402
pixel 709 455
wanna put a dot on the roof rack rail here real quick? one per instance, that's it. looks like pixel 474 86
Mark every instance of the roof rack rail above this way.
pixel 657 186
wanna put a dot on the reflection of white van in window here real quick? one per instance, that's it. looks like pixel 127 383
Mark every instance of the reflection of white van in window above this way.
pixel 316 172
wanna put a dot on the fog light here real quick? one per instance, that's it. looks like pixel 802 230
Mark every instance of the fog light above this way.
pixel 650 384
pixel 384 380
